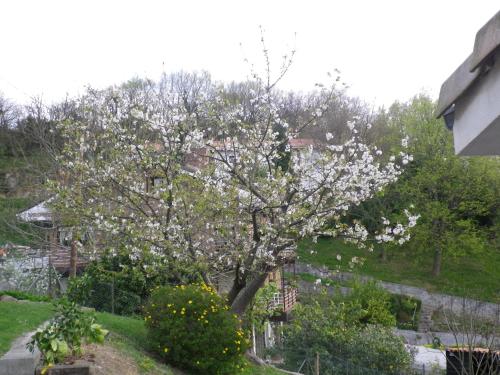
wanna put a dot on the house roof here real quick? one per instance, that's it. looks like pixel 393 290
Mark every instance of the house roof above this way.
pixel 297 143
pixel 455 86
pixel 487 42
pixel 40 212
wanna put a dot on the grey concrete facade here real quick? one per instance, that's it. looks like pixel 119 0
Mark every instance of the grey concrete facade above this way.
pixel 476 130
pixel 470 98
pixel 18 360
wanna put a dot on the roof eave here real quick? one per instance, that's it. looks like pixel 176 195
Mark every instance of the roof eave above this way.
pixel 455 86
pixel 486 43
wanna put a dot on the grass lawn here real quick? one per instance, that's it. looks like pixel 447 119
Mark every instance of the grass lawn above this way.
pixel 262 370
pixel 127 334
pixel 17 318
pixel 476 276
pixel 129 328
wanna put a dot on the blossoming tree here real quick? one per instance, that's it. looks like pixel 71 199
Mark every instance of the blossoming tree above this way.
pixel 202 180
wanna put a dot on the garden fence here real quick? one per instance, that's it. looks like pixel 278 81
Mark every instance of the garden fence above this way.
pixel 310 363
pixel 106 296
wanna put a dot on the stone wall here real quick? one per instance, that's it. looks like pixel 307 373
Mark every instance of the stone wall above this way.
pixel 430 301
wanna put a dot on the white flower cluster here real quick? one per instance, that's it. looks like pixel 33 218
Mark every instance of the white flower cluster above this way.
pixel 398 233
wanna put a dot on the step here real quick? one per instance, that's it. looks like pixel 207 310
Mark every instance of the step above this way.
pixel 19 360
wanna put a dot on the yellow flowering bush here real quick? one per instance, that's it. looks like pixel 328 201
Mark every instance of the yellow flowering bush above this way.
pixel 191 327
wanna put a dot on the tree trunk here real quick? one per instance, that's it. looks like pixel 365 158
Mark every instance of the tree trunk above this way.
pixel 238 284
pixel 436 267
pixel 73 259
pixel 383 255
pixel 245 296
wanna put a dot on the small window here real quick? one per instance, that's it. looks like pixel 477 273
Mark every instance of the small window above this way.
pixel 231 158
pixel 65 236
pixel 158 181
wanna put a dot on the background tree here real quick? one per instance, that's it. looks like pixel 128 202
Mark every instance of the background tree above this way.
pixel 458 198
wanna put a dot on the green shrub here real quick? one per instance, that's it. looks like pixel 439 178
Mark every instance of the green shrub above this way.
pixel 352 335
pixel 65 333
pixel 116 284
pixel 190 326
pixel 25 296
pixel 406 310
pixel 369 303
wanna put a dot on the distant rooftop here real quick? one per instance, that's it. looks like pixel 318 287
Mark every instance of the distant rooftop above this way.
pixel 39 213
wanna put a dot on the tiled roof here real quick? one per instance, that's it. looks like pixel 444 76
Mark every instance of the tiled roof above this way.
pixel 296 143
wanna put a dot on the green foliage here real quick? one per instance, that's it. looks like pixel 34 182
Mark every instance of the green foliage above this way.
pixel 339 332
pixel 116 283
pixel 473 277
pixel 261 308
pixel 50 343
pixel 406 310
pixel 66 333
pixel 25 296
pixel 368 303
pixel 80 289
pixel 191 327
pixel 458 198
pixel 456 202
pixel 10 229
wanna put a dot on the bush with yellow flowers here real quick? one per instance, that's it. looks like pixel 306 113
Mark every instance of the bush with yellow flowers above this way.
pixel 191 327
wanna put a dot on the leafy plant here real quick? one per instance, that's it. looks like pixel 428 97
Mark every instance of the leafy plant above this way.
pixel 406 310
pixel 190 326
pixel 351 334
pixel 51 344
pixel 65 333
pixel 262 307
pixel 367 303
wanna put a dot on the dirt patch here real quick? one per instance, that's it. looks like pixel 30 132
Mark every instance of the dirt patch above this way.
pixel 110 361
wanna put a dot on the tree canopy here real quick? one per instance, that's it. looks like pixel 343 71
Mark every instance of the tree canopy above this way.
pixel 213 182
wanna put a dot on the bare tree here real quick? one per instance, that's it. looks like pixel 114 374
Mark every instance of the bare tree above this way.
pixel 475 327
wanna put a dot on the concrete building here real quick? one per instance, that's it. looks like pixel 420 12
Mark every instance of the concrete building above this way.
pixel 469 99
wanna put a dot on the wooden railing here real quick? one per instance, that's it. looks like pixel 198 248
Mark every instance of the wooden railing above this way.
pixel 290 298
pixel 285 299
pixel 60 258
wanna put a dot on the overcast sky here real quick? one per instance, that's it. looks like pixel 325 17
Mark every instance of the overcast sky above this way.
pixel 385 50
